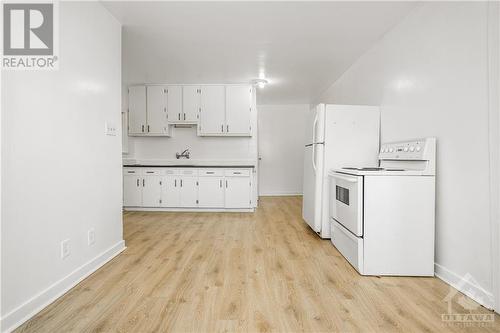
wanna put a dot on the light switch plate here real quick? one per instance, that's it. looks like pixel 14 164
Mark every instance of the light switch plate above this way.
pixel 110 129
pixel 65 248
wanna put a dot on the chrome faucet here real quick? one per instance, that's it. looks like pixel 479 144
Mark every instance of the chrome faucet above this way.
pixel 184 154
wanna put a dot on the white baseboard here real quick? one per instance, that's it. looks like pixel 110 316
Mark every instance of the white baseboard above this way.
pixel 466 286
pixel 22 313
pixel 280 194
pixel 191 210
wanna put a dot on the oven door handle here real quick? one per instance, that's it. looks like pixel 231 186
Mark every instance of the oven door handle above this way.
pixel 346 178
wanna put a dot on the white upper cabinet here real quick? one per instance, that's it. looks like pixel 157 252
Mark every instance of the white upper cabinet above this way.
pixel 174 103
pixel 137 110
pixel 212 110
pixel 156 103
pixel 190 104
pixel 218 110
pixel 238 110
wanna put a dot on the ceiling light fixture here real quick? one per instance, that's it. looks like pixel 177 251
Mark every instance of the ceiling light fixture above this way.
pixel 261 83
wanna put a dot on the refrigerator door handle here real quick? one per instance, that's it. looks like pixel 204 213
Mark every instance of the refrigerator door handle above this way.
pixel 314 157
pixel 314 128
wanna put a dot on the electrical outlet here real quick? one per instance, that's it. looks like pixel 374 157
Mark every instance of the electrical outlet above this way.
pixel 110 129
pixel 65 248
pixel 91 237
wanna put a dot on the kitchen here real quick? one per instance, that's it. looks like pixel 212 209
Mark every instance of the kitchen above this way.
pixel 266 166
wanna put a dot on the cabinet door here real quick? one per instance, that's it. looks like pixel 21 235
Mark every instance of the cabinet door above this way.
pixel 190 103
pixel 238 108
pixel 156 97
pixel 151 191
pixel 212 110
pixel 137 110
pixel 189 192
pixel 211 192
pixel 170 192
pixel 132 191
pixel 237 192
pixel 174 104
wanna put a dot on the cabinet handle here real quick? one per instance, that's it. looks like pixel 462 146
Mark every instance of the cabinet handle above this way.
pixel 143 182
pixel 179 116
pixel 210 172
pixel 220 183
pixel 181 182
pixel 184 116
pixel 175 182
pixel 227 128
pixel 148 128
pixel 142 128
pixel 226 183
pixel 137 182
pixel 222 128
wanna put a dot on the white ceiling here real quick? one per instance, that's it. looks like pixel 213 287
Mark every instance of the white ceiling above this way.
pixel 302 47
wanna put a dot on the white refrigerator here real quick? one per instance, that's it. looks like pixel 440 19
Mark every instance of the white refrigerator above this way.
pixel 338 136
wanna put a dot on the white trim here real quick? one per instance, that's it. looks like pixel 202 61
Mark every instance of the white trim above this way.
pixel 493 71
pixel 25 311
pixel 476 292
pixel 191 210
pixel 280 194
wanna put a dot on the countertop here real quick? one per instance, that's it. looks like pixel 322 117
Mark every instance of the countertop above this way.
pixel 190 163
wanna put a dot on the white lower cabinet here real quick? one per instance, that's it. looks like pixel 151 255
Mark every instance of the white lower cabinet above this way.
pixel 151 191
pixel 189 191
pixel 170 192
pixel 187 188
pixel 132 190
pixel 211 189
pixel 238 192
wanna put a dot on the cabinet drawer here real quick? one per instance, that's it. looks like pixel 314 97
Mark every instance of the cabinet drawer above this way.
pixel 153 172
pixel 132 171
pixel 188 172
pixel 211 172
pixel 237 172
pixel 350 246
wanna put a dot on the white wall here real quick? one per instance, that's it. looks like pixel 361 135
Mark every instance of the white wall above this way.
pixel 430 76
pixel 61 174
pixel 281 148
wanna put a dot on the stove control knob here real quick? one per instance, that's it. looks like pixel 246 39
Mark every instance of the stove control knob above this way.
pixel 405 149
pixel 418 148
pixel 412 148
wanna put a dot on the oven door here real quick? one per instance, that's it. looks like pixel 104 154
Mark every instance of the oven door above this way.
pixel 347 193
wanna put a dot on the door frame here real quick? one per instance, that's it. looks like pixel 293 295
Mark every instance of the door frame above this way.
pixel 493 51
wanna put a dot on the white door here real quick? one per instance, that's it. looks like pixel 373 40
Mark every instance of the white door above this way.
pixel 137 110
pixel 170 192
pixel 151 191
pixel 190 103
pixel 212 110
pixel 238 109
pixel 211 192
pixel 174 103
pixel 312 186
pixel 189 191
pixel 237 192
pixel 132 191
pixel 157 110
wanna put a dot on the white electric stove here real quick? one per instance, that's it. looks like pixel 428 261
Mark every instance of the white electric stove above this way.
pixel 382 219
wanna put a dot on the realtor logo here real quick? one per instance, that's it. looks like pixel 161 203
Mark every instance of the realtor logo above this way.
pixel 29 36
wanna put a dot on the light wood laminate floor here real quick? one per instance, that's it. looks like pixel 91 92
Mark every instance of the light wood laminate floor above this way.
pixel 254 272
